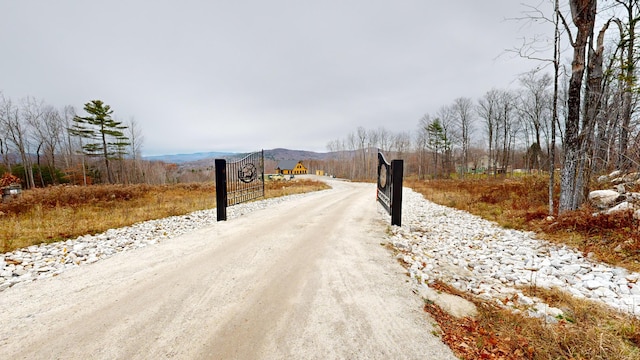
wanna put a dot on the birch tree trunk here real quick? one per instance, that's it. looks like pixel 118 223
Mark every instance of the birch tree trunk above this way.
pixel 584 14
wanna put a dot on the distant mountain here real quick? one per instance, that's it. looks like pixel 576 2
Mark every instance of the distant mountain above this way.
pixel 280 154
pixel 183 158
pixel 205 159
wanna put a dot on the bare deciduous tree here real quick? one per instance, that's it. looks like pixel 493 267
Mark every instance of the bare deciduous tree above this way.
pixel 18 136
pixel 535 106
pixel 447 120
pixel 584 16
pixel 463 112
pixel 421 141
pixel 487 110
pixel 135 149
pixel 507 128
pixel 48 131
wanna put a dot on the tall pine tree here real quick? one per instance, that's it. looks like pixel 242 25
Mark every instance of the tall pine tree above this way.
pixel 437 141
pixel 105 136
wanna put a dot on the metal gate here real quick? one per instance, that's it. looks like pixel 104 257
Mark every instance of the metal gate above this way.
pixel 389 192
pixel 238 181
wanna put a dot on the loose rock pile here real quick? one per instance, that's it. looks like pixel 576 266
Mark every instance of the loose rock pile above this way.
pixel 477 256
pixel 616 197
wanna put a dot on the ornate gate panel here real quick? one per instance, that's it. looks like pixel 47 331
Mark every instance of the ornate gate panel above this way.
pixel 238 181
pixel 389 192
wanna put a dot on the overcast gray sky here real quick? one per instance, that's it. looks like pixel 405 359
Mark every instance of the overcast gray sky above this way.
pixel 242 75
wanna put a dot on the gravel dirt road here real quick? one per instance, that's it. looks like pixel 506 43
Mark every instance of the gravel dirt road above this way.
pixel 306 279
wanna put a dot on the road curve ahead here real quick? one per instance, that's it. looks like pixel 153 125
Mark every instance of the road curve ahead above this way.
pixel 306 279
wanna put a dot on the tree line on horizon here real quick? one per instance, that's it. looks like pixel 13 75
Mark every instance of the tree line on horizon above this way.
pixel 42 145
pixel 577 115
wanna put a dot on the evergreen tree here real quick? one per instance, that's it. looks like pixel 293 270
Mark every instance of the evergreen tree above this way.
pixel 437 141
pixel 105 136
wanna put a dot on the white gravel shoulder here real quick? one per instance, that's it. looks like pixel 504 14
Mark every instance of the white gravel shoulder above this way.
pixel 47 260
pixel 475 255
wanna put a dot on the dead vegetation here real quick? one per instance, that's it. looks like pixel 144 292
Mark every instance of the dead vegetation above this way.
pixel 61 212
pixel 592 331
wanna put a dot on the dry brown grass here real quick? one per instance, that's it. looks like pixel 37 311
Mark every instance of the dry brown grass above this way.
pixel 587 331
pixel 62 212
pixel 512 203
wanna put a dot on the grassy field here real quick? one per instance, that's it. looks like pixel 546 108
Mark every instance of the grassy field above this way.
pixel 63 212
pixel 589 330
